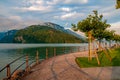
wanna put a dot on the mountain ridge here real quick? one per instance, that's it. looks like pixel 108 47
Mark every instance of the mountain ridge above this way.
pixel 6 38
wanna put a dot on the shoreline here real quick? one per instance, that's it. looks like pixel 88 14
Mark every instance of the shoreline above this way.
pixel 64 67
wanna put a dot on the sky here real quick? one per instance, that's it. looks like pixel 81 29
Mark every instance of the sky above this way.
pixel 17 14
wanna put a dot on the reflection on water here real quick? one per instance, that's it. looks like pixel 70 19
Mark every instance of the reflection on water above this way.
pixel 10 52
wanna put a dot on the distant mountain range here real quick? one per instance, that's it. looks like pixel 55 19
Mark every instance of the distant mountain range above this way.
pixel 9 36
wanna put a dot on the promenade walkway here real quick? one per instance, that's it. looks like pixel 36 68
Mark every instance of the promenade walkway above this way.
pixel 64 67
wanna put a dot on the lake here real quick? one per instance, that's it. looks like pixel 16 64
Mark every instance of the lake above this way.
pixel 10 52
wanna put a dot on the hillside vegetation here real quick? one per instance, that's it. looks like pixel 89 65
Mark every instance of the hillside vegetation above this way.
pixel 44 34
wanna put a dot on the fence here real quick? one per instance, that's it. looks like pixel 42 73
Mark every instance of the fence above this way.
pixel 29 64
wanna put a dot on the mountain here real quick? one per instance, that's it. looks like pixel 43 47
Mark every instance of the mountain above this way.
pixel 44 34
pixel 75 34
pixel 2 34
pixel 7 37
pixel 10 36
pixel 60 28
pixel 53 25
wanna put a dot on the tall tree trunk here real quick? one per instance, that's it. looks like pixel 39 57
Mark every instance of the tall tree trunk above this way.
pixel 89 46
pixel 99 45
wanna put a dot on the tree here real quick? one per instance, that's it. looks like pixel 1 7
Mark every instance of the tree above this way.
pixel 93 26
pixel 117 4
pixel 109 36
pixel 117 39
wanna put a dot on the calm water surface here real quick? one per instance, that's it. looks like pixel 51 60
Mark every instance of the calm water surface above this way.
pixel 10 52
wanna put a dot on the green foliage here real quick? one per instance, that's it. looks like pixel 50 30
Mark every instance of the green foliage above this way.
pixel 83 61
pixel 117 4
pixel 96 25
pixel 92 23
pixel 116 37
pixel 44 34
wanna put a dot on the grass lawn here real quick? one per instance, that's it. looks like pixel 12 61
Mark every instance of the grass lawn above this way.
pixel 104 61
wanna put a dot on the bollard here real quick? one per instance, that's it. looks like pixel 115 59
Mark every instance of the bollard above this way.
pixel 37 57
pixel 8 71
pixel 46 53
pixel 54 51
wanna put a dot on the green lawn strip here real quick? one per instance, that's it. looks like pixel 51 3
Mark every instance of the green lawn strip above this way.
pixel 104 61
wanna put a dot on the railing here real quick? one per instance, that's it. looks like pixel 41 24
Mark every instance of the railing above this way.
pixel 28 65
pixel 10 75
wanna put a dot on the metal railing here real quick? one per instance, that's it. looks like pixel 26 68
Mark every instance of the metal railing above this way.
pixel 9 74
pixel 28 65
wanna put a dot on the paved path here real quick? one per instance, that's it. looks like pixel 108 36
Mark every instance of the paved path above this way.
pixel 64 68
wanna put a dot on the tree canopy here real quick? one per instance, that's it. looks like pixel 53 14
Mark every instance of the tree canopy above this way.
pixel 117 4
pixel 97 26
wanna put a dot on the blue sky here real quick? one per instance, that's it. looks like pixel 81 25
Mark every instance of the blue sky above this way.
pixel 16 14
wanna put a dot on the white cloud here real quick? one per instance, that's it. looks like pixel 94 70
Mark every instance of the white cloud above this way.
pixel 65 9
pixel 116 27
pixel 47 5
pixel 37 8
pixel 10 23
pixel 76 1
pixel 35 5
pixel 18 18
pixel 55 2
pixel 71 15
pixel 109 12
pixel 34 2
pixel 68 15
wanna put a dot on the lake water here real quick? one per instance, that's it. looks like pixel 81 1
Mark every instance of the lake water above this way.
pixel 10 52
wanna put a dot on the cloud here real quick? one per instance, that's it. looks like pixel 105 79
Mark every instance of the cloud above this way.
pixel 56 11
pixel 18 18
pixel 8 23
pixel 109 12
pixel 76 1
pixel 115 26
pixel 66 9
pixel 36 8
pixel 35 5
pixel 55 2
pixel 71 15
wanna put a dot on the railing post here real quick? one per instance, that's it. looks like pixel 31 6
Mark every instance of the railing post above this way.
pixel 46 53
pixel 8 71
pixel 27 64
pixel 54 51
pixel 63 49
pixel 80 48
pixel 37 57
pixel 71 49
